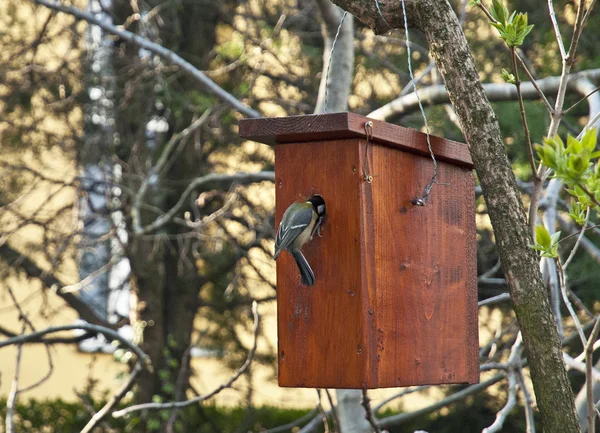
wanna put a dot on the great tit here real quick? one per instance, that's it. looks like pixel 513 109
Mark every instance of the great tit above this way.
pixel 299 223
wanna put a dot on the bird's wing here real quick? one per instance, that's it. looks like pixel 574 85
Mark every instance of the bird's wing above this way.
pixel 294 221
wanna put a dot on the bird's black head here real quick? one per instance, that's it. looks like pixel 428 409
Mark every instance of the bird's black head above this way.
pixel 319 205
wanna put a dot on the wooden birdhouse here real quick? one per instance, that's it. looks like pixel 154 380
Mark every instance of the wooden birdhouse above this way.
pixel 395 298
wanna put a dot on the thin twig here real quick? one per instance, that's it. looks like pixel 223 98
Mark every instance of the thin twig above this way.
pixel 535 84
pixel 366 403
pixel 576 246
pixel 513 56
pixel 336 419
pixel 11 401
pixel 581 100
pixel 290 426
pixel 111 334
pixel 457 396
pixel 398 395
pixel 514 362
pixel 529 403
pixel 494 299
pixel 160 164
pixel 563 291
pixel 212 180
pixel 157 49
pixel 200 398
pixel 523 65
pixel 115 399
pixel 27 322
pixel 322 411
pixel 561 45
pixel 589 352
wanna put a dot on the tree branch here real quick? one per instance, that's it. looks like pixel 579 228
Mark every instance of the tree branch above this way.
pixel 36 337
pixel 201 398
pixel 51 282
pixel 495 92
pixel 210 181
pixel 157 49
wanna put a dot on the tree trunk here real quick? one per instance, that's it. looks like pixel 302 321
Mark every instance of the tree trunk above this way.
pixel 165 281
pixel 449 49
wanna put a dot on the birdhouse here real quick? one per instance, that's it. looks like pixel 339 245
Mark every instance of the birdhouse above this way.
pixel 395 297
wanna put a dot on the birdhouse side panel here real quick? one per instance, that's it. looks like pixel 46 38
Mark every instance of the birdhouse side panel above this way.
pixel 424 295
pixel 320 328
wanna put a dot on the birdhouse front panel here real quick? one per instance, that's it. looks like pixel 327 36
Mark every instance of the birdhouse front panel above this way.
pixel 321 335
pixel 394 301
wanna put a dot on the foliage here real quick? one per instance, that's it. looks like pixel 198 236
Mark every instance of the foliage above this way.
pixel 545 242
pixel 58 416
pixel 513 28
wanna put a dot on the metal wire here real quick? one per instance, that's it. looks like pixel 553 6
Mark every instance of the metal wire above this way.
pixel 419 201
pixel 329 60
pixel 368 177
pixel 381 15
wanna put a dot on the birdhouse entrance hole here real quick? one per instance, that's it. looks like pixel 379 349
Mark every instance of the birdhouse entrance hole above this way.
pixel 395 296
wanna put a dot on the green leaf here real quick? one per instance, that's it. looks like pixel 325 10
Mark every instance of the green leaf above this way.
pixel 573 145
pixel 474 2
pixel 499 11
pixel 555 237
pixel 542 237
pixel 589 139
pixel 508 77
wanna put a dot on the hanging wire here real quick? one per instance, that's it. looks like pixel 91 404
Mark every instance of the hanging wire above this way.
pixel 337 34
pixel 368 177
pixel 381 15
pixel 419 201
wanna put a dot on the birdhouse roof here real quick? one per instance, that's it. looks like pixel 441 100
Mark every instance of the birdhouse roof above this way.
pixel 318 127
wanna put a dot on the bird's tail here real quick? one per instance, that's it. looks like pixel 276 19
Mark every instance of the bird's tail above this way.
pixel 308 277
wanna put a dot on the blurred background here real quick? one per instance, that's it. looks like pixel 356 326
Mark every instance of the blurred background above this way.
pixel 109 213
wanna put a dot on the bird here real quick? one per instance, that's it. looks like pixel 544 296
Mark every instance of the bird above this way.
pixel 301 220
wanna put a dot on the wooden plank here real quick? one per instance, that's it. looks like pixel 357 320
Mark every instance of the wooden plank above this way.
pixel 425 291
pixel 321 339
pixel 320 127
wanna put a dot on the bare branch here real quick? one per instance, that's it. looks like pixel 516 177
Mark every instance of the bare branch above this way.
pixel 210 181
pixel 14 392
pixel 160 164
pixel 589 352
pixel 201 398
pixel 115 399
pixel 494 299
pixel 457 396
pixel 576 246
pixel 157 49
pixel 111 334
pixel 366 403
pixel 563 291
pixel 290 426
pixel 51 282
pixel 508 406
pixel 514 365
pixel 496 92
pixel 561 45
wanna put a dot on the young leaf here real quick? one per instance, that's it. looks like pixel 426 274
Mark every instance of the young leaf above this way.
pixel 543 237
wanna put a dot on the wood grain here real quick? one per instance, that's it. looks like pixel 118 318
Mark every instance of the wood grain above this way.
pixel 425 295
pixel 395 298
pixel 320 328
pixel 299 129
